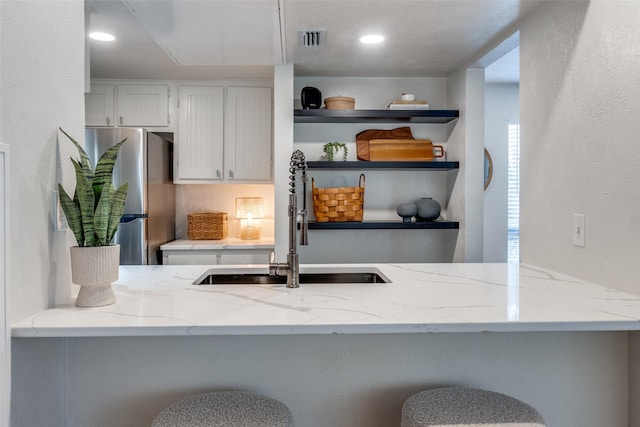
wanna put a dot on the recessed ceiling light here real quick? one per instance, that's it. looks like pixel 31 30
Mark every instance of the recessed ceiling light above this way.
pixel 372 39
pixel 103 37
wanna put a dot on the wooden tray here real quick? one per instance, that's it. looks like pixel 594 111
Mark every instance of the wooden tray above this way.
pixel 415 150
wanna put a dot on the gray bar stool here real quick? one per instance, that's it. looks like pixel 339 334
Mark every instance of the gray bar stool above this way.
pixel 470 407
pixel 225 408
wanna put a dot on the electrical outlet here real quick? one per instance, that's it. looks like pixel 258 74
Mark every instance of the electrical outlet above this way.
pixel 579 230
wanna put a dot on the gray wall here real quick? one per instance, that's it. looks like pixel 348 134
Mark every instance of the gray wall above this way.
pixel 573 379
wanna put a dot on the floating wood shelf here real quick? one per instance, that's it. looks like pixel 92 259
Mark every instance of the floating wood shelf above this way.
pixel 356 165
pixel 367 116
pixel 385 225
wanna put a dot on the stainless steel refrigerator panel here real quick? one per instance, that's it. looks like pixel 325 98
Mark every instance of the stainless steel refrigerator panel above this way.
pixel 131 164
pixel 145 162
pixel 131 238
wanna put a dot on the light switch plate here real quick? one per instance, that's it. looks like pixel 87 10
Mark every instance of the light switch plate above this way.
pixel 57 214
pixel 579 230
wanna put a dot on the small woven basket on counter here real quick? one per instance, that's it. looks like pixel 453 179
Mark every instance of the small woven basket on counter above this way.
pixel 207 225
pixel 339 204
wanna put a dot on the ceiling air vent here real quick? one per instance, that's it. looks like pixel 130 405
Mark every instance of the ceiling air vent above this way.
pixel 312 38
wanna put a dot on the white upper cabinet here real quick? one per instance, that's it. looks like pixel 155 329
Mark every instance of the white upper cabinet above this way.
pixel 99 106
pixel 127 105
pixel 200 147
pixel 248 134
pixel 143 105
pixel 222 141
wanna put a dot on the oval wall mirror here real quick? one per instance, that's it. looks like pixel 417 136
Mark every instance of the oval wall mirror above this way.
pixel 488 168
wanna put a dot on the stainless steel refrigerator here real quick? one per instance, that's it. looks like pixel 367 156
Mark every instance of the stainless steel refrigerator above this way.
pixel 145 161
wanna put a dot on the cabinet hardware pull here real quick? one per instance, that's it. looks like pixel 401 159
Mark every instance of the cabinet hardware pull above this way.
pixel 218 173
pixel 121 121
pixel 108 120
pixel 231 174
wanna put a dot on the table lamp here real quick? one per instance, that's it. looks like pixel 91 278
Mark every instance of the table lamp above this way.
pixel 250 211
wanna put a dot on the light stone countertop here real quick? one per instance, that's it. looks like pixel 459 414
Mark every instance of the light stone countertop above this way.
pixel 229 243
pixel 422 298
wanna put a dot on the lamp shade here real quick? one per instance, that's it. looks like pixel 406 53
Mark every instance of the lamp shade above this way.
pixel 249 207
pixel 250 210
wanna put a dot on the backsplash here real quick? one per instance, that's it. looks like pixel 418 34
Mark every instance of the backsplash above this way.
pixel 222 198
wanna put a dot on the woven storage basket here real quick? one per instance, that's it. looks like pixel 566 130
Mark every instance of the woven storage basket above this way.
pixel 207 225
pixel 338 204
pixel 340 103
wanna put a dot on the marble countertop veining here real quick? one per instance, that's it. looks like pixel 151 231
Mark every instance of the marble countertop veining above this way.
pixel 228 243
pixel 422 298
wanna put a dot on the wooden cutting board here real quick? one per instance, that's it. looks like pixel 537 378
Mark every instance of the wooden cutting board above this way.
pixel 415 150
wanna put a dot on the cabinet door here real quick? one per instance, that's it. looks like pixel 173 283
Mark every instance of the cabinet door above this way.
pixel 98 105
pixel 143 105
pixel 201 133
pixel 248 144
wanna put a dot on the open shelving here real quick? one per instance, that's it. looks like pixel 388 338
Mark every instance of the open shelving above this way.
pixel 381 116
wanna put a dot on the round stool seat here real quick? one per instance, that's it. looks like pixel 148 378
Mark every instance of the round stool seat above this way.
pixel 467 407
pixel 225 408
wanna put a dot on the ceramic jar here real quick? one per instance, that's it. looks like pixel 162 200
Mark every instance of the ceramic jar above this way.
pixel 428 209
pixel 407 211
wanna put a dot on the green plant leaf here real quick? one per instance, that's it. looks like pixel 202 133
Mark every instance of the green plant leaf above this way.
pixel 87 168
pixel 86 198
pixel 101 216
pixel 118 199
pixel 104 168
pixel 72 213
pixel 95 211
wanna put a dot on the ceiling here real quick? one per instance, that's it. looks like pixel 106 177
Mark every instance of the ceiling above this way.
pixel 205 39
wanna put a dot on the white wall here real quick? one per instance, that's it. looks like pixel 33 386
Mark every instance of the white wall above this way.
pixel 501 108
pixel 328 380
pixel 466 93
pixel 282 150
pixel 579 95
pixel 42 88
pixel 579 139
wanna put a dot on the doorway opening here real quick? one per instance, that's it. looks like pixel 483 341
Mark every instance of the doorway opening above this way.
pixel 502 141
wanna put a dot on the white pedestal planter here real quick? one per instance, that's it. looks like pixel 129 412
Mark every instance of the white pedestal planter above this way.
pixel 94 269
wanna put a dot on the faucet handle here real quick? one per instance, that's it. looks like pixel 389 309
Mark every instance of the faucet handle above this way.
pixel 304 227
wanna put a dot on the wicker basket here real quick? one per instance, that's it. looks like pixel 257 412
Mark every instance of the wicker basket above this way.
pixel 207 225
pixel 340 103
pixel 339 204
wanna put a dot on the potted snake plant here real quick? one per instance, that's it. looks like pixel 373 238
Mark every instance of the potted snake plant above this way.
pixel 93 214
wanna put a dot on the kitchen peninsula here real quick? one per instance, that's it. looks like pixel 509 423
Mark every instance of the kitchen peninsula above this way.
pixel 163 300
pixel 342 355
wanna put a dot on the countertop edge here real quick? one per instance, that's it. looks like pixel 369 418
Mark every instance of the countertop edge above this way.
pixel 261 330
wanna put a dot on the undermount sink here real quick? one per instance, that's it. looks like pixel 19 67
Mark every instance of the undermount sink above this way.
pixel 309 276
